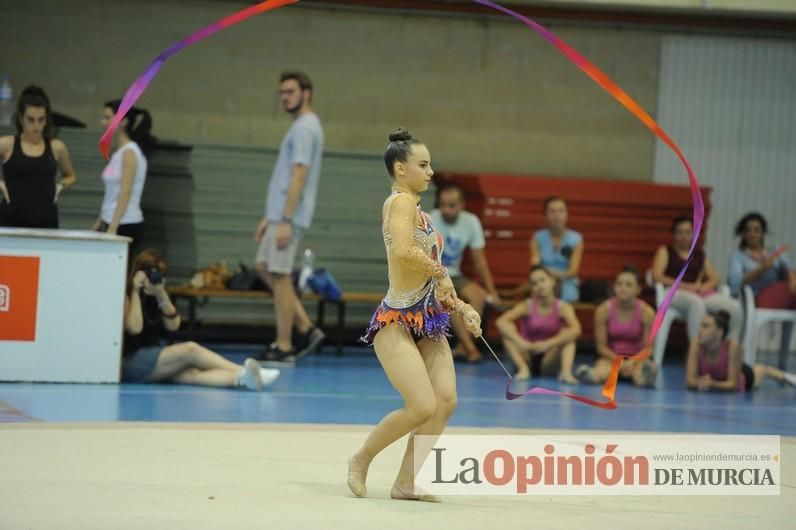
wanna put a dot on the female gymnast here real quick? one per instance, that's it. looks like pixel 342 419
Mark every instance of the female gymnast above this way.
pixel 409 328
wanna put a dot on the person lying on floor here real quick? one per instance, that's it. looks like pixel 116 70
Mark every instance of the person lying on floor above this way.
pixel 149 315
pixel 714 361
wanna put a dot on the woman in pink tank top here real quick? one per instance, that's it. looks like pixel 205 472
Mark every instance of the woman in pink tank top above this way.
pixel 621 327
pixel 539 334
pixel 714 361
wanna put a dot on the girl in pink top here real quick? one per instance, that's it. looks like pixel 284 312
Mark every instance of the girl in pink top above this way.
pixel 714 361
pixel 539 334
pixel 621 327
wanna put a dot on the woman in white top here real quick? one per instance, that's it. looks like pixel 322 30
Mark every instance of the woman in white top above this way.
pixel 125 174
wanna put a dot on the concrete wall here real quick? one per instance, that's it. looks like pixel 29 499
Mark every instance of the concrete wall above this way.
pixel 486 94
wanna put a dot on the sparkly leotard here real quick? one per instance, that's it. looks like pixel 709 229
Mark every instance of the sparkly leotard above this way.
pixel 416 310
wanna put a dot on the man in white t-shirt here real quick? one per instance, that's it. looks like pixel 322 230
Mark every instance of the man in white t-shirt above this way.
pixel 461 230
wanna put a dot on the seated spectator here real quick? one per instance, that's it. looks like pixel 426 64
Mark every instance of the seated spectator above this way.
pixel 621 328
pixel 149 314
pixel 766 270
pixel 461 230
pixel 697 292
pixel 539 334
pixel 714 361
pixel 557 249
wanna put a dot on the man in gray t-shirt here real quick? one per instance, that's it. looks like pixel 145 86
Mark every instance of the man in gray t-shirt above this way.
pixel 289 208
pixel 461 230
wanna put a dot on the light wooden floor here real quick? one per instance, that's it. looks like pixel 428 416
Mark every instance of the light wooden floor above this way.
pixel 238 476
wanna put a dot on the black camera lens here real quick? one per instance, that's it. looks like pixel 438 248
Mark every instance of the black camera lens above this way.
pixel 154 275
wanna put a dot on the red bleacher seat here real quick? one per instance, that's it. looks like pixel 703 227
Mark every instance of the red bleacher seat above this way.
pixel 622 222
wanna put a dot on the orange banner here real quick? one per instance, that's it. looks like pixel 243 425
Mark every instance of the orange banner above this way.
pixel 19 292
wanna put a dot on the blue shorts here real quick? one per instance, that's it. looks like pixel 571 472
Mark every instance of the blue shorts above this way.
pixel 138 366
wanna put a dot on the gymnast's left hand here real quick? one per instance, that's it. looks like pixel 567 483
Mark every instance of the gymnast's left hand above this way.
pixel 472 321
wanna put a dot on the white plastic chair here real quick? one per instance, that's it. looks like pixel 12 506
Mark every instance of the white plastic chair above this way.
pixel 755 318
pixel 672 314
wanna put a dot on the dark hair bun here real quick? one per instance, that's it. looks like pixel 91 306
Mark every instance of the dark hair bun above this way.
pixel 33 90
pixel 400 135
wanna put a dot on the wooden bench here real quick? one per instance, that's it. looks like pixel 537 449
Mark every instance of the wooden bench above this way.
pixel 199 297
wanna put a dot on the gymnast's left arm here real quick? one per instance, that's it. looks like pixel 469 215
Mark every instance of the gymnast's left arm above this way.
pixel 454 304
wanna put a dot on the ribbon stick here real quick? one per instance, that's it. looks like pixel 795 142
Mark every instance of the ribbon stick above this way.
pixel 139 85
pixel 599 77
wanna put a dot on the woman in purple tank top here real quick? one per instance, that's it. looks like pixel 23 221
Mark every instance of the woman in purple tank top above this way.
pixel 539 334
pixel 714 361
pixel 621 328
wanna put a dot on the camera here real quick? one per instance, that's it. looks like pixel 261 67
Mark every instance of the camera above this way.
pixel 154 275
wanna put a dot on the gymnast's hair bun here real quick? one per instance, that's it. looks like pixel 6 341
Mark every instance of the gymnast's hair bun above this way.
pixel 400 135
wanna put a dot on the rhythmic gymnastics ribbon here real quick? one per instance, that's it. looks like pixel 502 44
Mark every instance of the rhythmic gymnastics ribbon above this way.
pixel 599 77
pixel 140 84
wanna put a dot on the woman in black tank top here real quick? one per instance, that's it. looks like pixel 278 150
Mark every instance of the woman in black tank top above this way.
pixel 699 292
pixel 31 160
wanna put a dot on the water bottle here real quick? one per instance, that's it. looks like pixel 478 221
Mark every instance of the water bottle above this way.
pixel 6 102
pixel 307 266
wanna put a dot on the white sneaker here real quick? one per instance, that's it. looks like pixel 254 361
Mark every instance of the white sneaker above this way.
pixel 268 376
pixel 789 378
pixel 251 377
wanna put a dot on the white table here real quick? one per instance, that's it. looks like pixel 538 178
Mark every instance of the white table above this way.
pixel 61 305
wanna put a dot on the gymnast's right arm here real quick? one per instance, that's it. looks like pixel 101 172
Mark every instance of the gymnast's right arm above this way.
pixel 401 224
